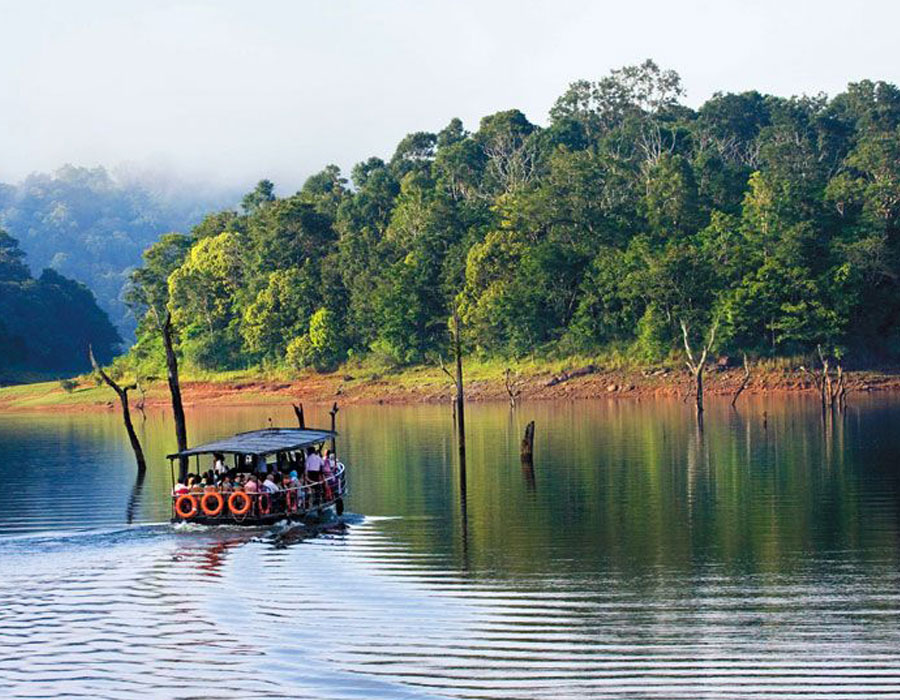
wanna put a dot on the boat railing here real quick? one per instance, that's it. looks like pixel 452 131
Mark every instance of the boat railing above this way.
pixel 285 501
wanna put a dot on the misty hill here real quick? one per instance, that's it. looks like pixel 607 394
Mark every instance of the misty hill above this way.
pixel 47 323
pixel 92 226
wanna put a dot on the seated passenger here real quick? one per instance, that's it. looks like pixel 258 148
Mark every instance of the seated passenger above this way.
pixel 270 485
pixel 180 488
pixel 225 485
pixel 251 486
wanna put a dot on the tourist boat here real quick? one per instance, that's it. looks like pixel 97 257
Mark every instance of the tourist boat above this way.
pixel 252 452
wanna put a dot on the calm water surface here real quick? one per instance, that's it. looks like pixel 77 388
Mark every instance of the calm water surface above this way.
pixel 638 559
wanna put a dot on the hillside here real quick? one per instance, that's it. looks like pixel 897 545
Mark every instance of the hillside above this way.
pixel 91 226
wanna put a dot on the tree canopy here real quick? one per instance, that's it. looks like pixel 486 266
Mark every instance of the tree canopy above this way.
pixel 47 324
pixel 628 220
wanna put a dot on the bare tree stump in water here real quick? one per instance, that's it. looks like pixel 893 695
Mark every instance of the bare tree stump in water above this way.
pixel 168 335
pixel 298 411
pixel 512 388
pixel 122 393
pixel 459 416
pixel 696 366
pixel 744 383
pixel 333 413
pixel 526 451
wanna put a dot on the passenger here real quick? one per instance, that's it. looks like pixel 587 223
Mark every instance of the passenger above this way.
pixel 251 486
pixel 219 464
pixel 194 484
pixel 180 488
pixel 261 466
pixel 270 485
pixel 294 480
pixel 225 485
pixel 313 466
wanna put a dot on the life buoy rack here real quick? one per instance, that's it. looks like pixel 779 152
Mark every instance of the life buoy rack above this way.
pixel 265 504
pixel 233 503
pixel 212 511
pixel 190 501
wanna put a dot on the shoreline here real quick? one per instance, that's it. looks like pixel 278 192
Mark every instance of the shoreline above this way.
pixel 421 385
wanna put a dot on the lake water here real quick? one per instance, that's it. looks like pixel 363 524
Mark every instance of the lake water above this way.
pixel 638 559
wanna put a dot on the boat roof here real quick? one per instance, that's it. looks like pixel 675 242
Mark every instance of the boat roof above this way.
pixel 261 442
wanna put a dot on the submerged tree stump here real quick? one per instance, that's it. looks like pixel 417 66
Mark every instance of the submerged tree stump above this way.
pixel 298 411
pixel 526 451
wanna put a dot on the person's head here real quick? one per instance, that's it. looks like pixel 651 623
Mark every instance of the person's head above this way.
pixel 310 450
pixel 293 474
pixel 325 453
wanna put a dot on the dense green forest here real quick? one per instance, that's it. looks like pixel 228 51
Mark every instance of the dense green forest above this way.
pixel 626 223
pixel 47 323
pixel 91 226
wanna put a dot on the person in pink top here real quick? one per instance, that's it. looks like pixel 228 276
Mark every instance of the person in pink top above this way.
pixel 252 485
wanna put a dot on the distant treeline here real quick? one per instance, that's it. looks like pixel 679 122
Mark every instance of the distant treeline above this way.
pixel 46 324
pixel 91 226
pixel 630 221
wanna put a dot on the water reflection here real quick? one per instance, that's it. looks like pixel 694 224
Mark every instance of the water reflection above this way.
pixel 637 556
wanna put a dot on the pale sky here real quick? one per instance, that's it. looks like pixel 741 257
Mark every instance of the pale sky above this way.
pixel 230 92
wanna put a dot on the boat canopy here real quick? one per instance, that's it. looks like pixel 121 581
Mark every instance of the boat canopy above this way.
pixel 261 442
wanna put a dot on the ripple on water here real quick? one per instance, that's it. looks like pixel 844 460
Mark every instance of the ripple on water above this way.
pixel 636 560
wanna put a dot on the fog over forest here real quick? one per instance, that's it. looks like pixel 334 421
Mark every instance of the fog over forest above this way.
pixel 92 224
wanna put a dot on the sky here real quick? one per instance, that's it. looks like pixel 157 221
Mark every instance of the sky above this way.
pixel 226 93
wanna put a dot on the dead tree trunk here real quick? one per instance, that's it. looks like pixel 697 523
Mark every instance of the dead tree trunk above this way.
pixel 744 383
pixel 142 403
pixel 512 389
pixel 301 419
pixel 826 379
pixel 122 393
pixel 333 413
pixel 698 365
pixel 841 392
pixel 460 393
pixel 458 402
pixel 175 393
pixel 527 449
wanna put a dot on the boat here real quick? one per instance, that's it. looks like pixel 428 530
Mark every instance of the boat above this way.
pixel 252 452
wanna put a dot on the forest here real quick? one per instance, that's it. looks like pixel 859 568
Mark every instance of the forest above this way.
pixel 92 225
pixel 46 324
pixel 630 223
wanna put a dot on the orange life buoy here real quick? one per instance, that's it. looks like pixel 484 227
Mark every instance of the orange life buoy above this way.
pixel 232 503
pixel 183 499
pixel 265 504
pixel 212 496
pixel 290 500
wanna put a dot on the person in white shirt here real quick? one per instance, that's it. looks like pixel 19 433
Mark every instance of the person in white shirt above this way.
pixel 219 464
pixel 269 484
pixel 313 465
